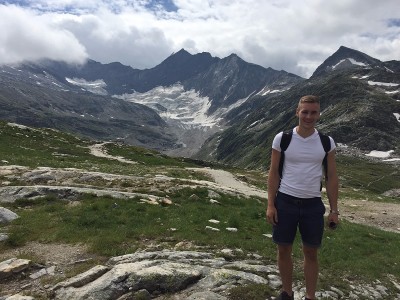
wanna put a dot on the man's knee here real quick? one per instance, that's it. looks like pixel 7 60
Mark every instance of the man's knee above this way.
pixel 310 253
pixel 284 251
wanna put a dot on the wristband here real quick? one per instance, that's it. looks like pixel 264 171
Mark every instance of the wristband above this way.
pixel 335 212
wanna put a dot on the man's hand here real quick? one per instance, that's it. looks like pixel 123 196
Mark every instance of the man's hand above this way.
pixel 272 216
pixel 333 217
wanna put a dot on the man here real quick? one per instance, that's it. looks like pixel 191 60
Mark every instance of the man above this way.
pixel 294 201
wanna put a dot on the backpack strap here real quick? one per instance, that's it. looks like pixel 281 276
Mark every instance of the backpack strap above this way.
pixel 326 143
pixel 285 141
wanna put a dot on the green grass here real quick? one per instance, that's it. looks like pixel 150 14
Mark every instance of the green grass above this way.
pixel 361 251
pixel 370 176
pixel 115 226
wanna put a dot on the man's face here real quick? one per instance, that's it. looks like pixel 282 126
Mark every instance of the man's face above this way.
pixel 308 114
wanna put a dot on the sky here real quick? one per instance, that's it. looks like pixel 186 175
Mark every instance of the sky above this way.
pixel 291 35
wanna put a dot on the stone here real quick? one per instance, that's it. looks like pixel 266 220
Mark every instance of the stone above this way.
pixel 7 215
pixel 13 266
pixel 166 201
pixel 213 194
pixel 3 237
pixel 43 272
pixel 212 228
pixel 232 229
pixel 83 279
pixel 274 281
pixel 214 221
pixel 213 201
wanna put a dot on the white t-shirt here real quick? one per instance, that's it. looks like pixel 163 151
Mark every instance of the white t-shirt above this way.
pixel 302 168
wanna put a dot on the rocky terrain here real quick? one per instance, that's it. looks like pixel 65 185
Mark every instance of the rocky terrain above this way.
pixel 185 271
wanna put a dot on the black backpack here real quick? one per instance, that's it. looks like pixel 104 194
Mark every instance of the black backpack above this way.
pixel 285 141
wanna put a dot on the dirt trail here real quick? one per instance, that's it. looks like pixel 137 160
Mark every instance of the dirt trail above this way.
pixel 99 151
pixel 383 215
pixel 228 180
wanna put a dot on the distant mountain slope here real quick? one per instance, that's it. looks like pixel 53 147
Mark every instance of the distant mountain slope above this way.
pixel 359 108
pixel 39 100
pixel 231 79
pixel 208 87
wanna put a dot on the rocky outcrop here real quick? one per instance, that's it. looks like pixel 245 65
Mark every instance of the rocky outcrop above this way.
pixel 70 183
pixel 12 193
pixel 184 273
pixel 189 275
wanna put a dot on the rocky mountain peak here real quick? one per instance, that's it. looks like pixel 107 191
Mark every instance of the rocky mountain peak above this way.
pixel 177 56
pixel 346 58
pixel 184 58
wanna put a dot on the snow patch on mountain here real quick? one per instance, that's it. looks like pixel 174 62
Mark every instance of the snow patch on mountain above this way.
pixel 386 86
pixel 383 154
pixel 351 60
pixel 354 62
pixel 380 154
pixel 186 112
pixel 382 83
pixel 95 87
pixel 392 92
pixel 177 104
pixel 267 91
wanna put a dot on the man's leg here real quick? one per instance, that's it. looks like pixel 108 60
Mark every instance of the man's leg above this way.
pixel 310 270
pixel 285 266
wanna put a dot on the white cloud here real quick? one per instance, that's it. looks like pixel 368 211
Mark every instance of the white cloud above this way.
pixel 27 36
pixel 109 37
pixel 293 35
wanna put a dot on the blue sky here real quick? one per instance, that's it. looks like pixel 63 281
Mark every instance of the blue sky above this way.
pixel 291 35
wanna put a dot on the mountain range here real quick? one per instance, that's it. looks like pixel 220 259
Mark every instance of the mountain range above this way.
pixel 226 110
pixel 359 109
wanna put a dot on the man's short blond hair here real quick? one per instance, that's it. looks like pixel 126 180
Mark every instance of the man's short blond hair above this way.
pixel 309 99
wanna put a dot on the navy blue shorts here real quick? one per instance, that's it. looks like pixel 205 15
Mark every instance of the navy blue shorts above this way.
pixel 305 214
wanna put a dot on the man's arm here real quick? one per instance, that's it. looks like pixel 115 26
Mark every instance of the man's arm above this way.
pixel 273 185
pixel 332 188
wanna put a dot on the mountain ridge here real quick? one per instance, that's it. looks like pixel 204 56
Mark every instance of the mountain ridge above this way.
pixel 346 58
pixel 196 73
pixel 247 103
